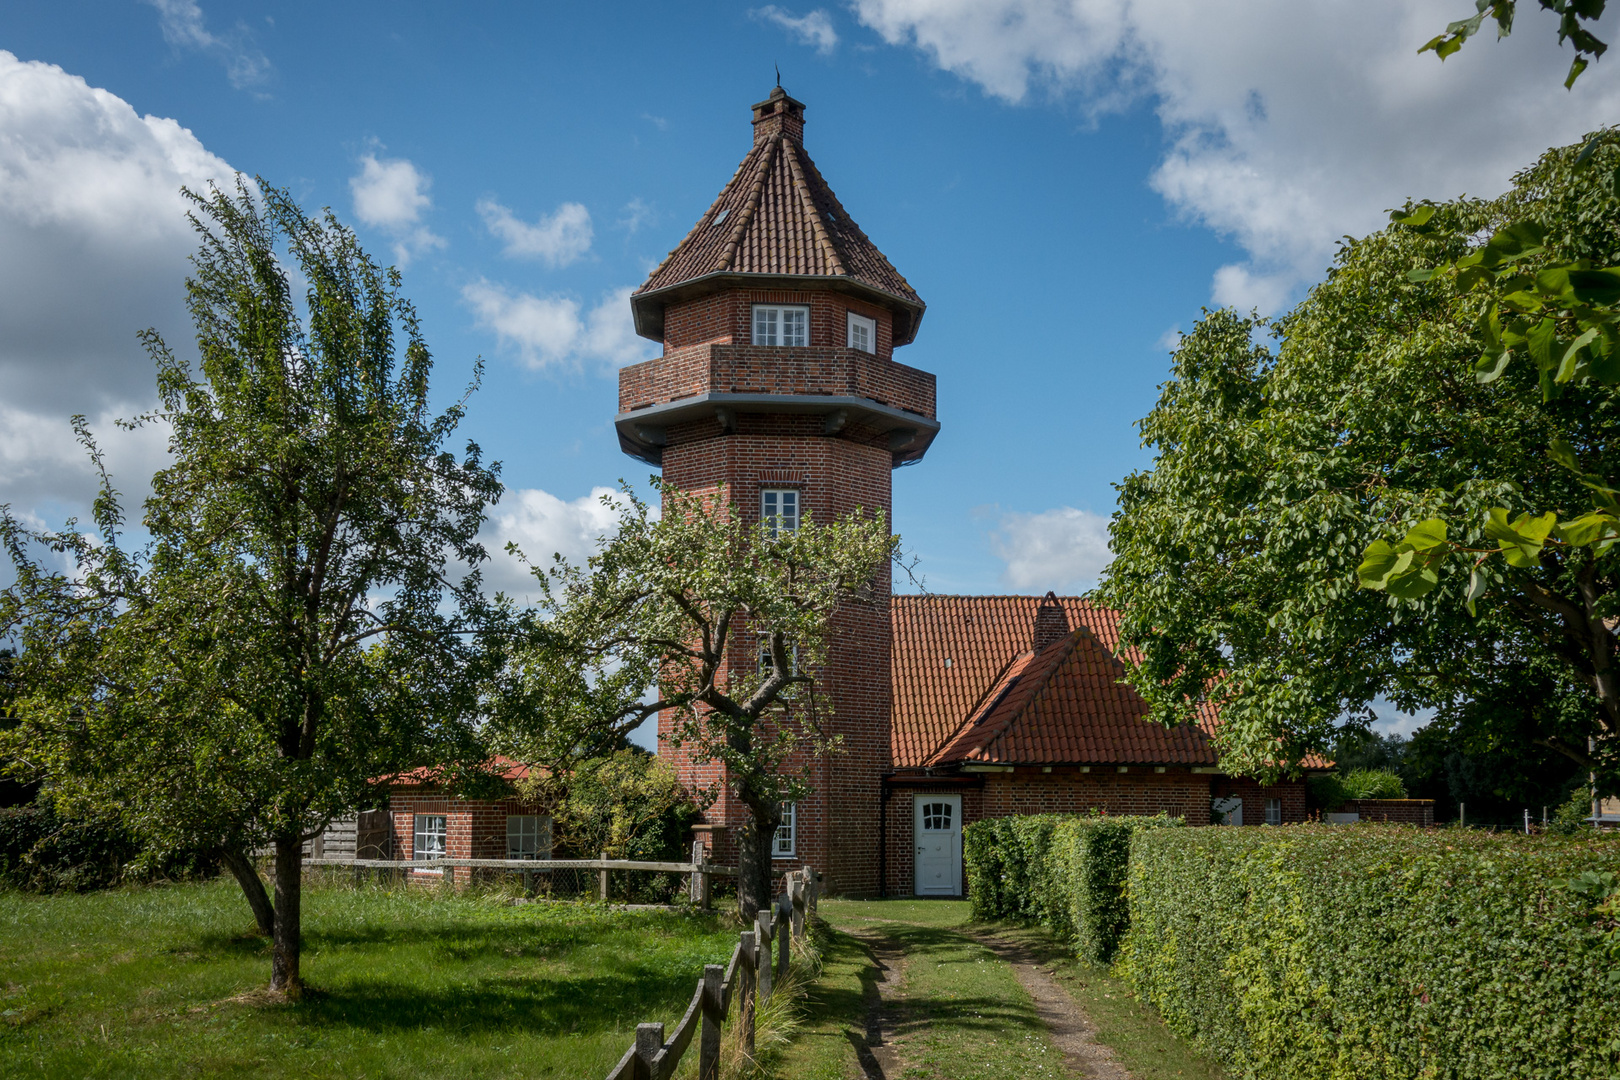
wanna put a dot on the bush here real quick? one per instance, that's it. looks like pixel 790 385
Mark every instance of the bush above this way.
pixel 41 851
pixel 1374 784
pixel 1065 872
pixel 1374 952
pixel 1326 791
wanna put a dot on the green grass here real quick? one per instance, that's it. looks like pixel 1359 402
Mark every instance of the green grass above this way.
pixel 964 1015
pixel 160 982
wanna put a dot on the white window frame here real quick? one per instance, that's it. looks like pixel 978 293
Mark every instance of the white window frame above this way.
pixel 861 322
pixel 1273 811
pixel 772 501
pixel 785 843
pixel 532 837
pixel 766 664
pixel 770 325
pixel 422 829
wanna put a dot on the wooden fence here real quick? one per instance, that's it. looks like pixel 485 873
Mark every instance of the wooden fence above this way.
pixel 748 980
pixel 699 869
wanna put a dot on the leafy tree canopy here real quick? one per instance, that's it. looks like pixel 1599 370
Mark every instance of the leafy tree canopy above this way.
pixel 1237 553
pixel 305 617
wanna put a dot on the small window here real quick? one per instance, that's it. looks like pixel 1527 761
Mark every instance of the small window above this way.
pixel 785 843
pixel 429 840
pixel 862 333
pixel 528 836
pixel 766 664
pixel 937 816
pixel 778 325
pixel 1273 811
pixel 779 510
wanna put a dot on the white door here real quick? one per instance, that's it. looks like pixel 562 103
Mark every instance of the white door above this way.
pixel 938 829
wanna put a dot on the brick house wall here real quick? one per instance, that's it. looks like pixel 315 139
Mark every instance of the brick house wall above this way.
pixel 474 828
pixel 1402 811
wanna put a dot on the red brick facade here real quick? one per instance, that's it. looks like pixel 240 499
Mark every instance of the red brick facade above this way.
pixel 474 828
pixel 1402 811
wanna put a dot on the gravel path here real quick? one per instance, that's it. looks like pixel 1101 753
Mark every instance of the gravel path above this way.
pixel 1072 1032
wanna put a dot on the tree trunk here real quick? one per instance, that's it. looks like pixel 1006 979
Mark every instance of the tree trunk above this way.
pixel 285 940
pixel 253 888
pixel 753 869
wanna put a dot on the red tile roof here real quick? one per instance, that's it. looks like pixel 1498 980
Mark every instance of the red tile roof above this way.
pixel 971 684
pixel 500 766
pixel 778 216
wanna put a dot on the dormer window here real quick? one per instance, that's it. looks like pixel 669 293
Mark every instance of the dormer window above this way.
pixel 778 324
pixel 862 333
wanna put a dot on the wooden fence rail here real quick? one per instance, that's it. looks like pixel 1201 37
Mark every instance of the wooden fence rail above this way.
pixel 748 979
pixel 699 869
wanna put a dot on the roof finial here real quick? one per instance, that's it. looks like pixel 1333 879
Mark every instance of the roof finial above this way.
pixel 778 75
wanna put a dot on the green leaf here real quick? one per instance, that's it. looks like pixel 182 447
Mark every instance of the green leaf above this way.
pixel 1575 70
pixel 1413 582
pixel 1476 589
pixel 1564 454
pixel 1588 529
pixel 1424 274
pixel 1419 216
pixel 1427 535
pixel 1542 339
pixel 1377 564
pixel 1599 288
pixel 1571 358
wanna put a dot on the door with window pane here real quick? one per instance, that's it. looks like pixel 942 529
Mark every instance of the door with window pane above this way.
pixel 938 832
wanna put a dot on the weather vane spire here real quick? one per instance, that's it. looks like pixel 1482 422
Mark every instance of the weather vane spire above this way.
pixel 778 75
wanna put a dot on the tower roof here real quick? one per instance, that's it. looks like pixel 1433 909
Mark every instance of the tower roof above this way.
pixel 777 219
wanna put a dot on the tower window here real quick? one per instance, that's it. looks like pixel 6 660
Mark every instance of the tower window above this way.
pixel 862 333
pixel 775 324
pixel 786 840
pixel 779 510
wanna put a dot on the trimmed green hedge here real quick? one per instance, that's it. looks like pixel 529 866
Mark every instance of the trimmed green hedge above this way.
pixel 1374 952
pixel 1065 872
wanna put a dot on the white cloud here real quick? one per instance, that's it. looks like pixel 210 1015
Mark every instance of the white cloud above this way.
pixel 184 28
pixel 93 247
pixel 556 239
pixel 1056 549
pixel 637 213
pixel 391 194
pixel 1290 124
pixel 541 524
pixel 552 331
pixel 814 29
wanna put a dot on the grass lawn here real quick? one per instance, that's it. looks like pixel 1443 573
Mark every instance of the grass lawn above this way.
pixel 962 1014
pixel 161 982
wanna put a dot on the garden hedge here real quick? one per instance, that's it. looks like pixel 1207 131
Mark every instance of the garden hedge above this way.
pixel 1065 872
pixel 1374 952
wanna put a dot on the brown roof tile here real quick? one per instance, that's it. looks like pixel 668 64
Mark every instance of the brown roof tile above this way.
pixel 778 216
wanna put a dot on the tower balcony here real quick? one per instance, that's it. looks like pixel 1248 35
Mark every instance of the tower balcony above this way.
pixel 856 394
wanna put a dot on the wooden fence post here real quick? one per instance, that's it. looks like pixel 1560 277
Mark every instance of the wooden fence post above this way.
pixel 695 887
pixel 747 969
pixel 602 880
pixel 784 921
pixel 796 897
pixel 649 1040
pixel 812 888
pixel 765 935
pixel 709 1037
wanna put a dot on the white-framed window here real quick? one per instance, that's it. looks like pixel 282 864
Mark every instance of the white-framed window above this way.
pixel 781 324
pixel 429 839
pixel 528 836
pixel 766 663
pixel 779 510
pixel 862 333
pixel 1273 811
pixel 786 841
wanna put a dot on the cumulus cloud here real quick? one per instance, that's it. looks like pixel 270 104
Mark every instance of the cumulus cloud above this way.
pixel 815 29
pixel 1289 125
pixel 554 331
pixel 392 194
pixel 1056 549
pixel 556 239
pixel 541 525
pixel 93 247
pixel 184 28
pixel 636 213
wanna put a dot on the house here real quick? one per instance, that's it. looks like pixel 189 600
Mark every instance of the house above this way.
pixel 427 823
pixel 779 319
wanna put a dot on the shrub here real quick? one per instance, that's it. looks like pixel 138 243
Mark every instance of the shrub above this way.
pixel 1374 952
pixel 42 851
pixel 1374 784
pixel 1325 792
pixel 1065 872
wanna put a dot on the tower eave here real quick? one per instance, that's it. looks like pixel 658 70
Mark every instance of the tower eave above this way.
pixel 647 308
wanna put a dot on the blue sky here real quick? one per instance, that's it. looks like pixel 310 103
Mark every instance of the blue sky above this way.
pixel 1065 184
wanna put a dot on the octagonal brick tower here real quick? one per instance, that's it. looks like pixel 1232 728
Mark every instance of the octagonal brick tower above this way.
pixel 779 320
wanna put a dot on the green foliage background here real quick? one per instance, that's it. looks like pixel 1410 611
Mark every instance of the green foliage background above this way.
pixel 1065 872
pixel 1376 952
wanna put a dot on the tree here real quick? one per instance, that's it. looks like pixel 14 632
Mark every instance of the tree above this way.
pixel 1237 553
pixel 730 622
pixel 305 616
pixel 1571 13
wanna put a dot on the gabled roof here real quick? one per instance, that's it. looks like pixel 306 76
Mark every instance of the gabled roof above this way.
pixel 953 656
pixel 779 218
pixel 1066 704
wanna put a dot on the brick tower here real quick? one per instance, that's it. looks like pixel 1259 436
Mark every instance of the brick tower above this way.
pixel 779 320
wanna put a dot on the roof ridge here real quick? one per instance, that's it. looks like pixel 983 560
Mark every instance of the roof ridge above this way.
pixel 728 254
pixel 708 214
pixel 853 225
pixel 807 199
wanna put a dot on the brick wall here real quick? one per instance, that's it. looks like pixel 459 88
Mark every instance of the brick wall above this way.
pixel 1404 811
pixel 726 318
pixel 474 828
pixel 1255 795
